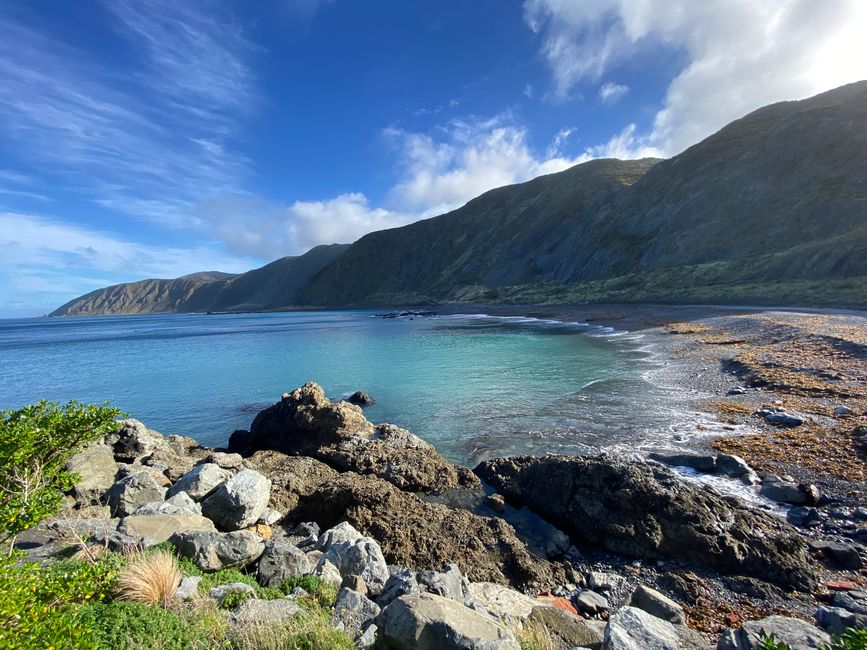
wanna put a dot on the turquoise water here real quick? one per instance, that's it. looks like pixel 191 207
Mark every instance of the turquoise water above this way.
pixel 474 386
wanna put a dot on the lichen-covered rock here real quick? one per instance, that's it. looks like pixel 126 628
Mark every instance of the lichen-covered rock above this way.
pixel 254 611
pixel 239 502
pixel 96 468
pixel 157 528
pixel 644 510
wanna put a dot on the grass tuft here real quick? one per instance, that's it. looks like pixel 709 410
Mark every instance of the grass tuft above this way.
pixel 150 578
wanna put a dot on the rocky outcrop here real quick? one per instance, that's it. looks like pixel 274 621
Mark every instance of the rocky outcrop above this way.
pixel 420 534
pixel 305 422
pixel 644 510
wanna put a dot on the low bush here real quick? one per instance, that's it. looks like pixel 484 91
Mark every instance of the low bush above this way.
pixel 321 593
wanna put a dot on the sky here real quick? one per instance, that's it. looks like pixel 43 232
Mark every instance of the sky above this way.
pixel 156 138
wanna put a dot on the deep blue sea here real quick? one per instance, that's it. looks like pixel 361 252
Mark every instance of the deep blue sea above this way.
pixel 473 385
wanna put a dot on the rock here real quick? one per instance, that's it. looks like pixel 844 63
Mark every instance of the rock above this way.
pixel 836 620
pixel 364 558
pixel 803 516
pixel 124 470
pixel 557 545
pixel 660 606
pixel 401 583
pixel 430 622
pixel 215 551
pixel 307 423
pixel 328 572
pixel 601 581
pixel 779 417
pixel 342 532
pixel 220 592
pixel 841 555
pixel 291 476
pixel 116 542
pixel 356 583
pixel 501 601
pixel 200 481
pixel 796 633
pixel 732 465
pixel 360 398
pixel 158 528
pixel 485 548
pixel 281 561
pixel 188 589
pixel 448 583
pixel 254 611
pixel 705 464
pixel 179 504
pixel 96 468
pixel 131 492
pixel 842 410
pixel 83 528
pixel 270 517
pixel 496 502
pixel 355 611
pixel 567 631
pixel 644 510
pixel 783 491
pixel 133 440
pixel 223 460
pixel 557 602
pixel 367 637
pixel 853 601
pixel 635 629
pixel 736 390
pixel 590 602
pixel 239 502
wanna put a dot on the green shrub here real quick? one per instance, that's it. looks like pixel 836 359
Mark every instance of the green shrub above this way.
pixel 851 639
pixel 35 443
pixel 322 594
pixel 770 643
pixel 234 598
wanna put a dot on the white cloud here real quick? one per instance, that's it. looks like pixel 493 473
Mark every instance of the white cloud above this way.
pixel 741 55
pixel 610 92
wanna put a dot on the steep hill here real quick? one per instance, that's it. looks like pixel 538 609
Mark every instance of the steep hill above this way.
pixel 271 287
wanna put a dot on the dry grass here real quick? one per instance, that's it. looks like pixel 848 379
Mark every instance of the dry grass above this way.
pixel 150 578
pixel 306 631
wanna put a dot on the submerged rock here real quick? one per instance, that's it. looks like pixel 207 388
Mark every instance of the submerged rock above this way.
pixel 644 510
pixel 360 398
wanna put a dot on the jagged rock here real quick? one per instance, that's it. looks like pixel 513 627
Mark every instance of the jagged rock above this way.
pixel 502 601
pixel 354 611
pixel 360 398
pixel 485 548
pixel 356 583
pixel 778 489
pixel 125 470
pixel 853 601
pixel 169 463
pixel 220 592
pixel 657 604
pixel 83 528
pixel 699 463
pixel 254 611
pixel 401 583
pixel 133 440
pixel 364 558
pixel 567 631
pixel 836 620
pixel 635 629
pixel 179 504
pixel 793 631
pixel 841 555
pixel 342 532
pixel 156 529
pixel 96 468
pixel 239 502
pixel 131 492
pixel 644 510
pixel 449 583
pixel 116 541
pixel 270 517
pixel 223 460
pixel 200 481
pixel 367 637
pixel 732 465
pixel 188 589
pixel 281 561
pixel 215 551
pixel 601 581
pixel 430 622
pixel 328 572
pixel 590 602
pixel 307 423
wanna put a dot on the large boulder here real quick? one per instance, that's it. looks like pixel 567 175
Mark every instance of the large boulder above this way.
pixel 239 502
pixel 281 561
pixel 635 629
pixel 131 492
pixel 657 604
pixel 354 612
pixel 214 551
pixel 430 622
pixel 305 422
pixel 157 528
pixel 200 481
pixel 133 440
pixel 179 504
pixel 419 534
pixel 798 634
pixel 502 601
pixel 97 470
pixel 363 558
pixel 644 510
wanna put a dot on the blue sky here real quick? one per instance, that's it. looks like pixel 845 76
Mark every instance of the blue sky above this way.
pixel 148 138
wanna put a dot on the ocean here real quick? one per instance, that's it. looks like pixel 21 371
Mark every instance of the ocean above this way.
pixel 475 386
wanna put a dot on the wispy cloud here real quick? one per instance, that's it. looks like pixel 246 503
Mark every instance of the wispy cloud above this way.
pixel 610 92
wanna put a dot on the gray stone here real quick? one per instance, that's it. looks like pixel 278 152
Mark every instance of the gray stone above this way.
pixel 96 468
pixel 836 620
pixel 449 583
pixel 635 629
pixel 566 631
pixel 401 583
pixel 699 463
pixel 270 517
pixel 239 502
pixel 133 440
pixel 116 542
pixel 367 638
pixel 254 611
pixel 364 558
pixel 131 492
pixel 200 481
pixel 661 606
pixel 431 622
pixel 328 572
pixel 854 601
pixel 736 390
pixel 224 460
pixel 841 555
pixel 784 491
pixel 499 600
pixel 179 504
pixel 798 634
pixel 780 418
pixel 354 611
pixel 342 532
pixel 280 561
pixel 803 516
pixel 215 551
pixel 842 410
pixel 590 602
pixel 557 544
pixel 220 592
pixel 188 589
pixel 732 465
pixel 150 530
pixel 601 581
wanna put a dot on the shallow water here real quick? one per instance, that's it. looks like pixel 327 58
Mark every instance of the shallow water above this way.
pixel 475 386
